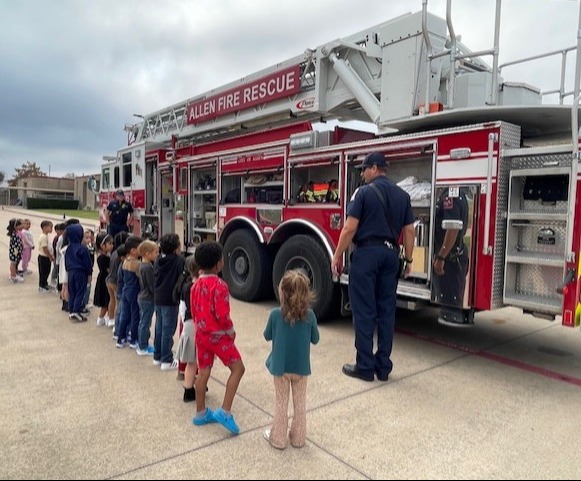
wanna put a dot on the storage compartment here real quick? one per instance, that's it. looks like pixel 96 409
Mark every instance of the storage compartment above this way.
pixel 536 241
pixel 315 182
pixel 203 202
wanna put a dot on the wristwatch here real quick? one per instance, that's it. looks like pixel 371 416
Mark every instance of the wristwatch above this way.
pixel 440 258
pixel 409 261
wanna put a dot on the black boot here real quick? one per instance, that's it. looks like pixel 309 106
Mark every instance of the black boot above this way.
pixel 65 306
pixel 189 394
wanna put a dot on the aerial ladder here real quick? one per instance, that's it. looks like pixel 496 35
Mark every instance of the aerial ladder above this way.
pixel 396 71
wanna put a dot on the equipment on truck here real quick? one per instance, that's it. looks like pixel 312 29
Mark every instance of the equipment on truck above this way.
pixel 245 165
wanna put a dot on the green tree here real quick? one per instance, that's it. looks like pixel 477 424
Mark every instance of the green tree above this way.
pixel 2 176
pixel 28 169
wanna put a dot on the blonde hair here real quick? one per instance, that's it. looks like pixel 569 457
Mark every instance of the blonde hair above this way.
pixel 146 247
pixel 296 296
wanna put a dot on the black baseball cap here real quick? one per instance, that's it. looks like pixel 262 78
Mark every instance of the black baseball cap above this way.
pixel 120 192
pixel 375 158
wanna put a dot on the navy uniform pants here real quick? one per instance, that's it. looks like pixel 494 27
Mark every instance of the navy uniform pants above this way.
pixel 449 288
pixel 114 229
pixel 372 293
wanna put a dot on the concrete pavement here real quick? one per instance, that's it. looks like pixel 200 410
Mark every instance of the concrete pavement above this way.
pixel 498 401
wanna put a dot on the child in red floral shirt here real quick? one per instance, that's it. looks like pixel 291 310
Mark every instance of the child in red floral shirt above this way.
pixel 214 336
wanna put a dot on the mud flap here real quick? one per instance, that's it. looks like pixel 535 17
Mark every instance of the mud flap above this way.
pixel 453 316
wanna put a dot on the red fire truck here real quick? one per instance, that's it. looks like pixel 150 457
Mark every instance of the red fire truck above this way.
pixel 254 166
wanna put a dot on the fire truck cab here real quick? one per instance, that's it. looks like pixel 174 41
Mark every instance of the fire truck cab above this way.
pixel 254 166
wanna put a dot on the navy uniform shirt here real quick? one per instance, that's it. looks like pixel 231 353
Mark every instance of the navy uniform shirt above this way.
pixel 119 211
pixel 366 206
pixel 451 208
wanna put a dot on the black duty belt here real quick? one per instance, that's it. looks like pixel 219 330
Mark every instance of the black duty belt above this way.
pixel 377 243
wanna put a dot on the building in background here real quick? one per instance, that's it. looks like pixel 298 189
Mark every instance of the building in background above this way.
pixel 54 188
pixel 86 191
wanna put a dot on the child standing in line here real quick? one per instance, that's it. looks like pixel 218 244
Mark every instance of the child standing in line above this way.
pixel 122 254
pixel 63 275
pixel 292 328
pixel 148 250
pixel 187 344
pixel 59 229
pixel 130 315
pixel 166 272
pixel 27 246
pixel 15 249
pixel 79 267
pixel 104 245
pixel 45 256
pixel 89 243
pixel 118 241
pixel 214 336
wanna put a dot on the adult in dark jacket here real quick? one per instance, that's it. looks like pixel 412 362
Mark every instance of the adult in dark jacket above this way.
pixel 79 267
pixel 167 270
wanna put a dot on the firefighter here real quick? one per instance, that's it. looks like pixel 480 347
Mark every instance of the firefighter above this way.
pixel 450 261
pixel 306 194
pixel 374 224
pixel 332 194
pixel 119 214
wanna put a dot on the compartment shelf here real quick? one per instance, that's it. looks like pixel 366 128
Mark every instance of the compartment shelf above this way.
pixel 534 303
pixel 205 192
pixel 269 183
pixel 203 230
pixel 540 216
pixel 536 258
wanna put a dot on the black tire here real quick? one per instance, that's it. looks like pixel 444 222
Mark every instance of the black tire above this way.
pixel 304 252
pixel 247 267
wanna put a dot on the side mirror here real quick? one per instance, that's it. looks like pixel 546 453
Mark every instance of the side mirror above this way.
pixel 452 224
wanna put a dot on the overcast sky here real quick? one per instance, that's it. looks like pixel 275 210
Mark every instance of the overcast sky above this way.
pixel 72 73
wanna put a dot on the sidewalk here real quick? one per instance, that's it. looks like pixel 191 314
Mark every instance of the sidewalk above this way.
pixel 74 406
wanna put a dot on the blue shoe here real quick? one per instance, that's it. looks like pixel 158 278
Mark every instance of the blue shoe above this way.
pixel 208 418
pixel 226 420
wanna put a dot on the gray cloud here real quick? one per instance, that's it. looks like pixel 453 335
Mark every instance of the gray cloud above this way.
pixel 72 73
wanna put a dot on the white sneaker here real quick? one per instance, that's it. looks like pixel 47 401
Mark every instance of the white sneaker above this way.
pixel 110 322
pixel 156 362
pixel 101 321
pixel 19 279
pixel 169 366
pixel 76 317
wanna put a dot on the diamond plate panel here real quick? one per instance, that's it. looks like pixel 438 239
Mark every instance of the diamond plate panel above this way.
pixel 538 281
pixel 539 161
pixel 510 136
pixel 528 234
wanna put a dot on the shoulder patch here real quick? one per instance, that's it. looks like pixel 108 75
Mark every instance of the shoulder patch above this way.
pixel 448 203
pixel 354 194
